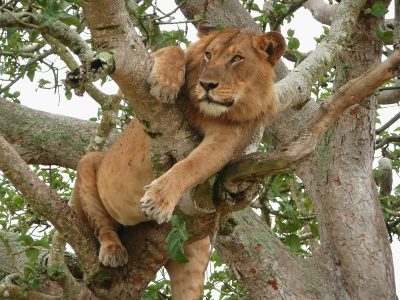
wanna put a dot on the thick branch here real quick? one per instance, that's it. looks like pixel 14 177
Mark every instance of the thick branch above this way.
pixel 271 269
pixel 45 138
pixel 321 11
pixel 112 31
pixel 262 164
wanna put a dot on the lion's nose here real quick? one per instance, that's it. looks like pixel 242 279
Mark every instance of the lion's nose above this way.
pixel 208 85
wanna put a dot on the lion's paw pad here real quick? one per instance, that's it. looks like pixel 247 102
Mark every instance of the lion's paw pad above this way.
pixel 113 255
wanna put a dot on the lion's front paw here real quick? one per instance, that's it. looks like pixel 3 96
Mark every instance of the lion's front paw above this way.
pixel 159 201
pixel 164 84
pixel 113 255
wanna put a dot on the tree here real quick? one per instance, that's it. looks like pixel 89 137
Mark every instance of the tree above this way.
pixel 312 177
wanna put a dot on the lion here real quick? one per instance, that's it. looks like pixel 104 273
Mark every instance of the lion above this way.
pixel 224 85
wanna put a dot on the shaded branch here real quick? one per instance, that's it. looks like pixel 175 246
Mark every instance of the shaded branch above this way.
pixel 390 96
pixel 383 142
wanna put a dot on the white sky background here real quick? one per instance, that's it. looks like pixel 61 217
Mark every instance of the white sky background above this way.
pixel 306 28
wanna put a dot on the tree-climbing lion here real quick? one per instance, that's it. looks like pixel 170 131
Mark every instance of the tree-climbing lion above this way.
pixel 225 83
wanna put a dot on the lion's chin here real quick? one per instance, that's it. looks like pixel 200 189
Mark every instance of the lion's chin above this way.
pixel 213 108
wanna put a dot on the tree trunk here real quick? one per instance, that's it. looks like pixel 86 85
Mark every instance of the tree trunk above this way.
pixel 341 185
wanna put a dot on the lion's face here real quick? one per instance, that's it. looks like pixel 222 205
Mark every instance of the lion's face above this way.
pixel 230 73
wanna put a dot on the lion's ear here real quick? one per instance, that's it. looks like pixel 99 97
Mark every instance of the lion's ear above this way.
pixel 273 43
pixel 205 28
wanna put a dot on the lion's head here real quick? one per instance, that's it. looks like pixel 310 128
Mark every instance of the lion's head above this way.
pixel 230 73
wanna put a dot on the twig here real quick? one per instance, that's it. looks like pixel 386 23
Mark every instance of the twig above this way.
pixel 170 13
pixel 24 24
pixel 388 124
pixel 22 73
pixel 292 8
pixel 389 88
pixel 7 3
pixel 176 22
pixel 386 140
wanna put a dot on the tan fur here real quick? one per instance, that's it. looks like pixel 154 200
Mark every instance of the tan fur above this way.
pixel 110 187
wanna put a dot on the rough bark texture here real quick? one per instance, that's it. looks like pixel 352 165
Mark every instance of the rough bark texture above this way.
pixel 44 138
pixel 266 268
pixel 340 182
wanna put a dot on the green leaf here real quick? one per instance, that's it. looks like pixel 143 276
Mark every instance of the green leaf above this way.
pixel 290 32
pixel 42 243
pixel 314 229
pixel 293 43
pixel 378 9
pixel 68 19
pixel 293 242
pixel 32 254
pixel 26 240
pixel 293 226
pixel 385 36
pixel 68 94
pixel 176 238
pixel 35 284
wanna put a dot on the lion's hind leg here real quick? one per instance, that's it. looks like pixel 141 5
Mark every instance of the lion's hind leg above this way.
pixel 187 279
pixel 86 201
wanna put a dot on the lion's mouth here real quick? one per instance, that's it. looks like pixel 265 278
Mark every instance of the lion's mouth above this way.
pixel 207 97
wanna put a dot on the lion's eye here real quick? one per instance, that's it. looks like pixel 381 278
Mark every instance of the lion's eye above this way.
pixel 207 56
pixel 236 58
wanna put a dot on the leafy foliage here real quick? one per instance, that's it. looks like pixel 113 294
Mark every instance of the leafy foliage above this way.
pixel 176 238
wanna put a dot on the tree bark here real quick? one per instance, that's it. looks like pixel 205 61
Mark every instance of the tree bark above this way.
pixel 340 182
pixel 44 138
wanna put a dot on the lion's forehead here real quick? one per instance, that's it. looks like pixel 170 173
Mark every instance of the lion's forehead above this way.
pixel 231 42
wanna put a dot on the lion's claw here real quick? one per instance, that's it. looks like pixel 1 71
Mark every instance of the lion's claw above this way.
pixel 153 211
pixel 159 200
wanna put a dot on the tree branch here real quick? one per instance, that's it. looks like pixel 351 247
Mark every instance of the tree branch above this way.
pixel 295 88
pixel 60 141
pixel 388 124
pixel 271 269
pixel 386 97
pixel 321 11
pixel 46 202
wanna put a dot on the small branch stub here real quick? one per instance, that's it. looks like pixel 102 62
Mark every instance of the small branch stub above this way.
pixel 100 65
